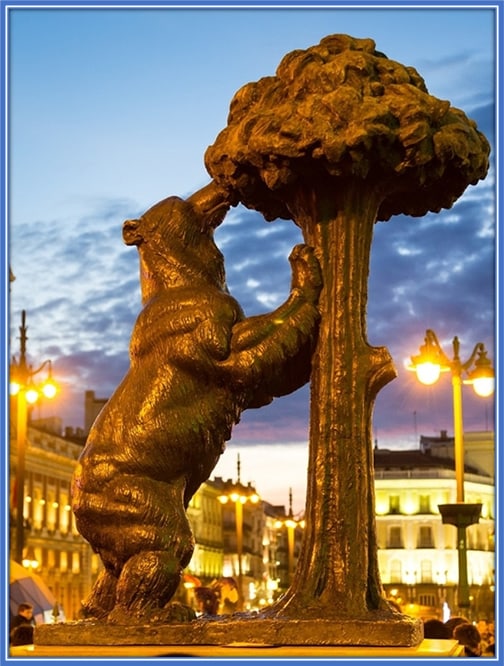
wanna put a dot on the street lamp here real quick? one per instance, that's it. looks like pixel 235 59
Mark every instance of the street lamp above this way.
pixel 30 561
pixel 291 524
pixel 428 365
pixel 240 495
pixel 26 392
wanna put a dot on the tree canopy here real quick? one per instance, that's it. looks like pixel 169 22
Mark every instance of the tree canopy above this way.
pixel 344 112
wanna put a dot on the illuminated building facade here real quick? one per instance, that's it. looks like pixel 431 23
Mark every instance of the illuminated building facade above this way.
pixel 417 552
pixel 60 555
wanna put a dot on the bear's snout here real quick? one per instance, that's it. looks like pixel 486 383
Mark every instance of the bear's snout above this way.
pixel 130 232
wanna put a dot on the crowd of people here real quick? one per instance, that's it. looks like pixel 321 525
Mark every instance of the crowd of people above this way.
pixel 478 639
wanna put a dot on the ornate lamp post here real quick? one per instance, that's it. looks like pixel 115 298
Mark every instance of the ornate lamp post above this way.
pixel 240 495
pixel 291 524
pixel 428 365
pixel 26 392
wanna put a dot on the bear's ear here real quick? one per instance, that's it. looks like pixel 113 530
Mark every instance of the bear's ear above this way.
pixel 131 235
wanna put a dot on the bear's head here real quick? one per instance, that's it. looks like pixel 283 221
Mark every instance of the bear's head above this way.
pixel 176 245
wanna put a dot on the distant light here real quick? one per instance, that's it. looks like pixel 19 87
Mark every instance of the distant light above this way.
pixel 31 396
pixel 30 559
pixel 409 507
pixel 49 390
pixel 30 564
pixel 381 507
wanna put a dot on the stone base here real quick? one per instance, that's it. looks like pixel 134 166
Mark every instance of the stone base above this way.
pixel 232 630
pixel 431 648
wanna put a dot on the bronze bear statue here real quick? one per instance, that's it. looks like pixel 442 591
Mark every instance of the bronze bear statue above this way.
pixel 196 362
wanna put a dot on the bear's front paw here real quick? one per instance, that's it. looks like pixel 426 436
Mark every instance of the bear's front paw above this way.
pixel 306 273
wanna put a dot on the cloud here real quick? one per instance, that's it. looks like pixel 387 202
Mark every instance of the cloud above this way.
pixel 466 78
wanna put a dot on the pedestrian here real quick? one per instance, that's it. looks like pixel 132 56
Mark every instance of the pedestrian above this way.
pixel 490 638
pixel 468 636
pixel 22 635
pixel 489 651
pixel 24 618
pixel 207 599
pixel 434 628
pixel 454 621
pixel 486 633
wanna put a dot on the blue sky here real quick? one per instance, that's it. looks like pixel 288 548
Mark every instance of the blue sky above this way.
pixel 111 110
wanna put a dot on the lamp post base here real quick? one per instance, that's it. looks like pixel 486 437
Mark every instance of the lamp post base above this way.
pixel 461 515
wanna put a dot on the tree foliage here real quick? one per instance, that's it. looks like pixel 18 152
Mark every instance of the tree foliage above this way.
pixel 342 113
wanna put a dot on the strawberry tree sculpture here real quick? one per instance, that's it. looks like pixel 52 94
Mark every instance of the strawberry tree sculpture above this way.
pixel 340 138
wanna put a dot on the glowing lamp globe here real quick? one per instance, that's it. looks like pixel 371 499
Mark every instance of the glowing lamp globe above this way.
pixel 31 396
pixel 484 386
pixel 49 389
pixel 428 373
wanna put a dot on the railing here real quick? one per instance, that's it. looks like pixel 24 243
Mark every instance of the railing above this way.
pixel 429 474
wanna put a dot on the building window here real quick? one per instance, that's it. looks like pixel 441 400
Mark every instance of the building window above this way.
pixel 63 561
pixel 425 539
pixel 426 571
pixel 394 504
pixel 424 504
pixel 396 571
pixel 427 600
pixel 75 559
pixel 395 537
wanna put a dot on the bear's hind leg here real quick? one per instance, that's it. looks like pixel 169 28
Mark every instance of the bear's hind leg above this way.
pixel 147 582
pixel 101 600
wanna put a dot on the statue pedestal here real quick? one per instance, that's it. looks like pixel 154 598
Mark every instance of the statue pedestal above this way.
pixel 428 648
pixel 237 636
pixel 241 629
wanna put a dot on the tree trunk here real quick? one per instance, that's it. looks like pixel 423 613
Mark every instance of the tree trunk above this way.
pixel 337 574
